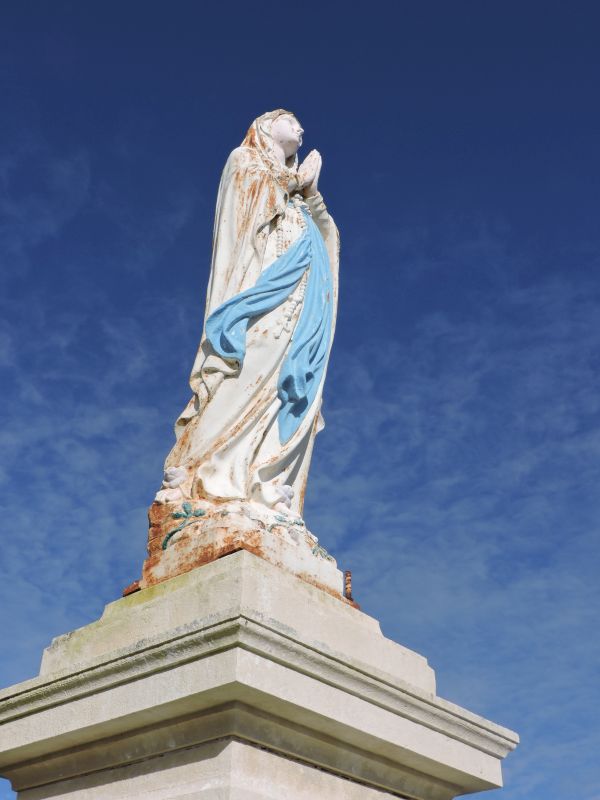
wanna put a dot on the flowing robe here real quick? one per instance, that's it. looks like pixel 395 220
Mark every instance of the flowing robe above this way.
pixel 229 439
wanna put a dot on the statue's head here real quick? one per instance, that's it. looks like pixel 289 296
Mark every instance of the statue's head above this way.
pixel 279 128
pixel 287 132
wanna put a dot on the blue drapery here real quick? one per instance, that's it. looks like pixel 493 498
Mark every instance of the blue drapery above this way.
pixel 306 358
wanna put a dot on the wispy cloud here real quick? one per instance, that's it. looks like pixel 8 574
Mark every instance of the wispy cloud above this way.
pixel 456 476
pixel 87 403
pixel 57 186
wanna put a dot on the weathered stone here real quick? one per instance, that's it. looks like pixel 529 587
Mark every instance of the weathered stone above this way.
pixel 184 536
pixel 237 680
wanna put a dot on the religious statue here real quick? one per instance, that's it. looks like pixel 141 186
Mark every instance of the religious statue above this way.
pixel 247 433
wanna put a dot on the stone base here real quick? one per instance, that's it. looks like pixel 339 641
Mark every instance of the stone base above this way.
pixel 227 769
pixel 239 681
pixel 183 536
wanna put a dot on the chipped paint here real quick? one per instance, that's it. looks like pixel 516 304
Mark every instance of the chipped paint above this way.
pixel 210 530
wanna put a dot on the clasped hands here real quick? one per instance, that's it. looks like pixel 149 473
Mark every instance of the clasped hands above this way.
pixel 308 173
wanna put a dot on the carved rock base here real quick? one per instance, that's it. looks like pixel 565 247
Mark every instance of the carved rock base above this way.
pixel 183 536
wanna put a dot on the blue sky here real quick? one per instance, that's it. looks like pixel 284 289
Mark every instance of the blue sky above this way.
pixel 458 473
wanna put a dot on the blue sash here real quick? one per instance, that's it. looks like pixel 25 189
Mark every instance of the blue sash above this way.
pixel 306 358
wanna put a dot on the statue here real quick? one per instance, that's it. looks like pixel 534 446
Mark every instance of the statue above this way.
pixel 247 433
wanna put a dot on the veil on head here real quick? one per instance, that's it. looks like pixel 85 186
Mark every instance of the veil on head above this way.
pixel 259 139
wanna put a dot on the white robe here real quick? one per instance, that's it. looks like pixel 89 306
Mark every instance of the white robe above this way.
pixel 228 436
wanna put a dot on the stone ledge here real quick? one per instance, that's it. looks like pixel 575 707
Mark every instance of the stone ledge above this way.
pixel 382 689
pixel 239 585
pixel 233 721
pixel 259 648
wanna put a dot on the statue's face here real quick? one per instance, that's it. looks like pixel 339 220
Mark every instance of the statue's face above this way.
pixel 287 133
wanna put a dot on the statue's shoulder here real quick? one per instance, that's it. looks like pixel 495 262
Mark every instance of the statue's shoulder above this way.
pixel 244 158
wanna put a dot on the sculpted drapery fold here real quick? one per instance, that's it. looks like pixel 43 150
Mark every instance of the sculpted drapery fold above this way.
pixel 229 443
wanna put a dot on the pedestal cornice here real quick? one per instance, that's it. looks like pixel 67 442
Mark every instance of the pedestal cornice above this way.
pixel 248 674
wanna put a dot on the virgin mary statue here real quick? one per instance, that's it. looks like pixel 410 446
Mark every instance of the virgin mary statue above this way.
pixel 247 433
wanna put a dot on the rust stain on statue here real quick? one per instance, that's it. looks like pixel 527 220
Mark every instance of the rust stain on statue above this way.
pixel 271 198
pixel 207 540
pixel 231 543
pixel 192 528
pixel 250 138
pixel 133 587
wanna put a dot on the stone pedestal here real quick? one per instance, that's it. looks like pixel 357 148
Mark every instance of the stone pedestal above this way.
pixel 239 681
